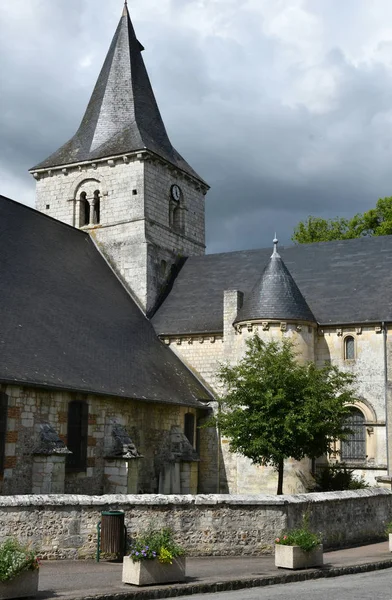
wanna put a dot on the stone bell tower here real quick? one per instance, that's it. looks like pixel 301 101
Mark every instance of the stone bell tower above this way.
pixel 120 179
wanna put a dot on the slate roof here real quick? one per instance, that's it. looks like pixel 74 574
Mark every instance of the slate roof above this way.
pixel 67 322
pixel 275 295
pixel 122 115
pixel 342 282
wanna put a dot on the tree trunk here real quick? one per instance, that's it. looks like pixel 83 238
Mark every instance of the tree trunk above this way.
pixel 280 477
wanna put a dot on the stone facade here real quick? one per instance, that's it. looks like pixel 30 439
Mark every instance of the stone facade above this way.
pixel 136 229
pixel 218 525
pixel 146 215
pixel 234 473
pixel 151 427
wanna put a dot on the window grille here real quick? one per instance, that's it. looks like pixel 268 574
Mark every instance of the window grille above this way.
pixel 349 348
pixel 354 447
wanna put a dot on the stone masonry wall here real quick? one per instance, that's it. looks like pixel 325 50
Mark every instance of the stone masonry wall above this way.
pixel 233 473
pixel 134 229
pixel 148 424
pixel 65 526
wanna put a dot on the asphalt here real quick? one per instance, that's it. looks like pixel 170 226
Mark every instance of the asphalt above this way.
pixel 85 580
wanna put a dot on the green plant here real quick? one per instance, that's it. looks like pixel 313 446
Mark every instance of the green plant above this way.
pixel 338 477
pixel 16 558
pixel 388 528
pixel 275 408
pixel 302 537
pixel 155 544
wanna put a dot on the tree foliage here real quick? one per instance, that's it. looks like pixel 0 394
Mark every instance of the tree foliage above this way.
pixel 374 222
pixel 275 408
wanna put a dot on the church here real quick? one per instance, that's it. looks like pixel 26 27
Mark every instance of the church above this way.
pixel 114 321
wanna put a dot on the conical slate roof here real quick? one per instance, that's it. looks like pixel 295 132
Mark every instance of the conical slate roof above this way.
pixel 276 296
pixel 122 115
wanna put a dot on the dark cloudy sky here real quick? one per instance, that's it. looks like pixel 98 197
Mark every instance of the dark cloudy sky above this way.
pixel 283 106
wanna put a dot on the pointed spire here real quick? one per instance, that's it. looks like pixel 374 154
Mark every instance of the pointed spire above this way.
pixel 122 115
pixel 275 252
pixel 275 296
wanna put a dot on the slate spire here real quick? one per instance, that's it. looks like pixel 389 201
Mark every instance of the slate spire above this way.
pixel 122 115
pixel 275 296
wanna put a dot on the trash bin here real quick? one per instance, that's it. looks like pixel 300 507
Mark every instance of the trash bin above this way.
pixel 112 533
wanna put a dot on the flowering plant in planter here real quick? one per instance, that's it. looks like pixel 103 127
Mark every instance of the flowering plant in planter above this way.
pixel 154 557
pixel 299 549
pixel 15 559
pixel 302 537
pixel 155 544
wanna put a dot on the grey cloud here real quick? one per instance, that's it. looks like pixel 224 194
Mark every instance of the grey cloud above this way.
pixel 269 162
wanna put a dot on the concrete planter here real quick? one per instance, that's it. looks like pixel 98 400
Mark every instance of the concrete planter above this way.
pixel 24 585
pixel 152 572
pixel 293 557
pixel 390 542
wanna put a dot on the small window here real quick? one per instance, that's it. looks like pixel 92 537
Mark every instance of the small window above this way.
pixel 349 348
pixel 189 427
pixel 134 192
pixel 3 428
pixel 354 447
pixel 47 206
pixel 163 268
pixel 96 208
pixel 77 436
pixel 84 210
pixel 177 225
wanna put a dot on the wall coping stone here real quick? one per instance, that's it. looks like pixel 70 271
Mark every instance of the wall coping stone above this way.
pixel 172 500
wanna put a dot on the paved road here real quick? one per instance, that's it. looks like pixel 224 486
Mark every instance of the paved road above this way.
pixel 376 585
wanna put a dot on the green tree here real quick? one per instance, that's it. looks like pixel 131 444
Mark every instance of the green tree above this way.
pixel 275 408
pixel 374 222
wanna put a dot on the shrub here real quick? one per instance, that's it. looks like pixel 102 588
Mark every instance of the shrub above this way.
pixel 338 477
pixel 16 558
pixel 388 528
pixel 155 544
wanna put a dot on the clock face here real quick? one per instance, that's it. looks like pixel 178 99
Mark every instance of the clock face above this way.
pixel 176 193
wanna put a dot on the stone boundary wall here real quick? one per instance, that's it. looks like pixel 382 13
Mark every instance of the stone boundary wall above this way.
pixel 65 526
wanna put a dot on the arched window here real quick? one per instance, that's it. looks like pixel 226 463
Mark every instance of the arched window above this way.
pixel 163 268
pixel 3 428
pixel 77 436
pixel 177 224
pixel 349 348
pixel 84 210
pixel 189 427
pixel 353 449
pixel 96 208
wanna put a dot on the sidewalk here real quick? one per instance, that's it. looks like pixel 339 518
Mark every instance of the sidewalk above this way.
pixel 84 580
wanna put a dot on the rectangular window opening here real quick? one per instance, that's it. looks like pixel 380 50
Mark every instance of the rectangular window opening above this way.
pixel 3 429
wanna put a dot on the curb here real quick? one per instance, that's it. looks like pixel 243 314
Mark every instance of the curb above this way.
pixel 187 589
